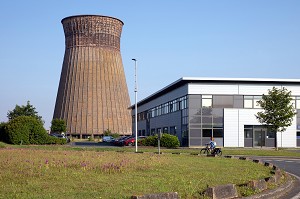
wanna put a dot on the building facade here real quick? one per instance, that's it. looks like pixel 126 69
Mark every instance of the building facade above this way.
pixel 196 109
pixel 93 95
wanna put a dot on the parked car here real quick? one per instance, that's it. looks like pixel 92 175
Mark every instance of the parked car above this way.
pixel 131 141
pixel 108 139
pixel 119 139
pixel 122 140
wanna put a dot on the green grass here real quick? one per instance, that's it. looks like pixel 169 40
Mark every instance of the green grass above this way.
pixel 226 151
pixel 63 172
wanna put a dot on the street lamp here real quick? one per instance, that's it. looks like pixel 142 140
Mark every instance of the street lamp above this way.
pixel 135 108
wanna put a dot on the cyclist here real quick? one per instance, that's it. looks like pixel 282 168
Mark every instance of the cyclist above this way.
pixel 212 145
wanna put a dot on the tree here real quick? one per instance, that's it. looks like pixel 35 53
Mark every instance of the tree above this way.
pixel 25 130
pixel 278 110
pixel 58 125
pixel 24 110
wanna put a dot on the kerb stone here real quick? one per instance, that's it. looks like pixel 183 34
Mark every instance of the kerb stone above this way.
pixel 222 192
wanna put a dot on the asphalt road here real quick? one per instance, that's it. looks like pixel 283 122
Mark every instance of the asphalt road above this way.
pixel 290 165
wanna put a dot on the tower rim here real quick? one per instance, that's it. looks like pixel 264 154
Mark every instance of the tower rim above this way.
pixel 73 16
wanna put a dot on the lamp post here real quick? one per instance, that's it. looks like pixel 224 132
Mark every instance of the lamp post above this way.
pixel 135 108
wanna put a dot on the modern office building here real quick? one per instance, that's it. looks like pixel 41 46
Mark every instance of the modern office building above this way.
pixel 195 109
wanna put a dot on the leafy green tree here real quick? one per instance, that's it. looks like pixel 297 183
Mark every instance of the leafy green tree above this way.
pixel 25 130
pixel 58 125
pixel 24 110
pixel 278 110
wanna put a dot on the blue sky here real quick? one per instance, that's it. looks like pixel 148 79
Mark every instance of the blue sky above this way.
pixel 170 39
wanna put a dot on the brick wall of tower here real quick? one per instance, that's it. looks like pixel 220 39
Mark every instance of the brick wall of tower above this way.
pixel 93 94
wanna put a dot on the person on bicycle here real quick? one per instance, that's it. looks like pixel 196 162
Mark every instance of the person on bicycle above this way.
pixel 212 145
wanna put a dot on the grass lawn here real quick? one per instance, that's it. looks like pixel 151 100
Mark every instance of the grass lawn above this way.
pixel 65 172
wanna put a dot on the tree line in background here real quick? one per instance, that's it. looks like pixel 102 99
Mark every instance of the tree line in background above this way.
pixel 25 126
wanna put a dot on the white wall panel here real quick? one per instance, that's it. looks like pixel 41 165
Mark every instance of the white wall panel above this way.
pixel 255 89
pixel 288 137
pixel 231 128
pixel 295 89
pixel 225 89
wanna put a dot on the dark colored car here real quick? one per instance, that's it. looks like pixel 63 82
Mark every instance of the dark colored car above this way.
pixel 122 140
pixel 131 141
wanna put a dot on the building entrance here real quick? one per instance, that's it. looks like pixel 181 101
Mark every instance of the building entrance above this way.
pixel 259 137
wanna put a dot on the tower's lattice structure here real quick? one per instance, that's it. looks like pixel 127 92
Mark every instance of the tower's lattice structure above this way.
pixel 93 95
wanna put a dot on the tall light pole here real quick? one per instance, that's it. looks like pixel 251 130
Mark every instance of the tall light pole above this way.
pixel 135 108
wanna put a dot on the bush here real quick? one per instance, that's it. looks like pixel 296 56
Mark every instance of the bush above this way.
pixel 150 141
pixel 167 140
pixel 25 130
pixel 55 140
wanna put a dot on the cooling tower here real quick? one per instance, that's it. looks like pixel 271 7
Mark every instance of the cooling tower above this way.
pixel 92 94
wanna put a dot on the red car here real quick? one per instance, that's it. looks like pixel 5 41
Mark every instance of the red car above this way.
pixel 131 141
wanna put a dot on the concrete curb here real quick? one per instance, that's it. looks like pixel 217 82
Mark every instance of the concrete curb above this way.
pixel 260 184
pixel 278 192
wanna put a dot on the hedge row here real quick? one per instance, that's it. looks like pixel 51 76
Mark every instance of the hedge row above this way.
pixel 167 140
pixel 26 130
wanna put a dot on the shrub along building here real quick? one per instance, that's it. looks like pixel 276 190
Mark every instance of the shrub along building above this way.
pixel 195 109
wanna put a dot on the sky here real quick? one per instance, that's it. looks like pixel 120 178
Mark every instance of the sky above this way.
pixel 170 39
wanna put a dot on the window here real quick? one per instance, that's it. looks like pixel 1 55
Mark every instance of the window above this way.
pixel 298 134
pixel 206 132
pixel 195 101
pixel 152 131
pixel 248 101
pixel 218 133
pixel 173 130
pixel 206 100
pixel 270 134
pixel 223 101
pixel 165 130
pixel 255 101
pixel 238 101
pixel 248 133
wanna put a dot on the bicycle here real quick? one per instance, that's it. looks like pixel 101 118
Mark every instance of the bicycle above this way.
pixel 207 150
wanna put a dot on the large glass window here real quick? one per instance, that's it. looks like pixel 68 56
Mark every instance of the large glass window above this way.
pixel 238 101
pixel 195 101
pixel 195 133
pixel 207 132
pixel 218 133
pixel 223 101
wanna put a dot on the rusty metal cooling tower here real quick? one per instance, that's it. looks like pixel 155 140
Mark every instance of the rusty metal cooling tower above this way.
pixel 92 94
